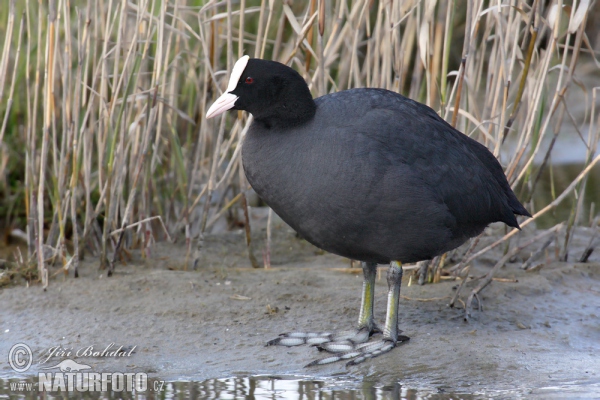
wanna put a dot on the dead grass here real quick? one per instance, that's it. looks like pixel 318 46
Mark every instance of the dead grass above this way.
pixel 102 102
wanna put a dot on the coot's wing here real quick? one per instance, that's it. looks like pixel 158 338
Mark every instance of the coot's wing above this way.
pixel 487 171
pixel 412 139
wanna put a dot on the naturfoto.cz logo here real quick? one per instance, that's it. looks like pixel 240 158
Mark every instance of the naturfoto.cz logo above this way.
pixel 72 376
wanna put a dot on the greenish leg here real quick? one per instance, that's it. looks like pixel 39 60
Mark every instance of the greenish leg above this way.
pixel 365 319
pixel 394 279
pixel 355 345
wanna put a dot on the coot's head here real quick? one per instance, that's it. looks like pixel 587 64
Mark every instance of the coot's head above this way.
pixel 273 93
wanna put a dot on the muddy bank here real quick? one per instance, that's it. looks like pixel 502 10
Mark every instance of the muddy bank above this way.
pixel 213 322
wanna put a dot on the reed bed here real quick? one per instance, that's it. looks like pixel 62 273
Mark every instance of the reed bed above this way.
pixel 103 142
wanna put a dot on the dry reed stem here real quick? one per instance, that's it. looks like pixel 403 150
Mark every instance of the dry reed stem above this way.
pixel 11 90
pixel 6 48
pixel 544 210
pixel 487 279
pixel 104 157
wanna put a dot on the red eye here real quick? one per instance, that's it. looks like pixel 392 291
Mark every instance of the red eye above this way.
pixel 249 80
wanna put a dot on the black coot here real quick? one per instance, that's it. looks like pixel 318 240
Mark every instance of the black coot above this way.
pixel 367 174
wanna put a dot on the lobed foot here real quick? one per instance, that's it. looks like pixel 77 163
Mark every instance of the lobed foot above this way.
pixel 323 338
pixel 354 345
pixel 360 352
pixel 345 345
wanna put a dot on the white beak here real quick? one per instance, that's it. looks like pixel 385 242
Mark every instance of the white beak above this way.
pixel 227 100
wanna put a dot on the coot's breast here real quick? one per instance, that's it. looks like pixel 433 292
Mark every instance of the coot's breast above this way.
pixel 374 177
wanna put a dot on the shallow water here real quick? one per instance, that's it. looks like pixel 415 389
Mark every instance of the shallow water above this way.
pixel 296 387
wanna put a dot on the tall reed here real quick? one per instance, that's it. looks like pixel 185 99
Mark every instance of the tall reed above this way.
pixel 104 145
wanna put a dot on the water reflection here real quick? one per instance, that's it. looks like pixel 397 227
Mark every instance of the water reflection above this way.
pixel 265 387
pixel 254 387
pixel 269 387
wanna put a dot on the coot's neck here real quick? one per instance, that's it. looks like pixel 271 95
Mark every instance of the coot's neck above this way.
pixel 295 107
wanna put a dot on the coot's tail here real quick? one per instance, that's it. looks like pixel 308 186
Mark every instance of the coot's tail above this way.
pixel 515 207
pixel 518 208
pixel 491 162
